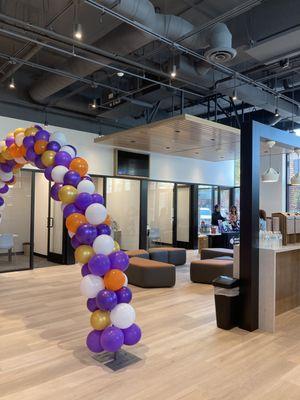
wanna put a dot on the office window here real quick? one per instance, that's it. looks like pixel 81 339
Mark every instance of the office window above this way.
pixel 205 203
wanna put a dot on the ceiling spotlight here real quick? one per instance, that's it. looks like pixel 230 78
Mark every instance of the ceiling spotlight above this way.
pixel 270 175
pixel 77 31
pixel 120 74
pixel 173 72
pixel 276 112
pixel 234 95
pixel 12 83
pixel 94 104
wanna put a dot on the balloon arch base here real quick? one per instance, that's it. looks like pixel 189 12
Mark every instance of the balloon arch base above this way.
pixel 117 360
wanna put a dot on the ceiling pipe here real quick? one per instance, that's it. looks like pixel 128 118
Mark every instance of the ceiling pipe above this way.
pixel 123 41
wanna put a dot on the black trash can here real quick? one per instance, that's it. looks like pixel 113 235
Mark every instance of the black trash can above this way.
pixel 227 301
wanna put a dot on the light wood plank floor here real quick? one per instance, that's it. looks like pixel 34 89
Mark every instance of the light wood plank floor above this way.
pixel 43 324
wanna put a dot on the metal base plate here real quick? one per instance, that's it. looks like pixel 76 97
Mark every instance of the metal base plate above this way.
pixel 118 360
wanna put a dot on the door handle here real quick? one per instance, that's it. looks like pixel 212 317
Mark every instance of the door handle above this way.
pixel 50 222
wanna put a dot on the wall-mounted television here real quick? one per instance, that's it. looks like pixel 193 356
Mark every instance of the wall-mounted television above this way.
pixel 132 164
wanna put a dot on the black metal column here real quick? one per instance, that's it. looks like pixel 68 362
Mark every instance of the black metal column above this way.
pixel 143 213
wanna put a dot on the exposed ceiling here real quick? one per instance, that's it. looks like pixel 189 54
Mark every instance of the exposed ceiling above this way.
pixel 58 78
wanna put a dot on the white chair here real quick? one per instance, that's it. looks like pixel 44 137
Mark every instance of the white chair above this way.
pixel 7 243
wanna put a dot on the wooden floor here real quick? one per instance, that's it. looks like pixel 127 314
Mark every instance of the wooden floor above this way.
pixel 43 324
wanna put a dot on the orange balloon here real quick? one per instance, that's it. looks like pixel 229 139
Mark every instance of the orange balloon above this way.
pixel 114 279
pixel 23 150
pixel 6 154
pixel 79 165
pixel 107 220
pixel 40 146
pixel 14 151
pixel 74 221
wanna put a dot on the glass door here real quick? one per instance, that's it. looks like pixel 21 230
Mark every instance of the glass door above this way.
pixel 225 201
pixel 182 201
pixel 55 232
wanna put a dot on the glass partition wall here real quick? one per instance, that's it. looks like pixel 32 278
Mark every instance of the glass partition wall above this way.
pixel 15 225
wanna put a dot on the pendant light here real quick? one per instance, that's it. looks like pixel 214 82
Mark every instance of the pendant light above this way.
pixel 270 175
pixel 295 180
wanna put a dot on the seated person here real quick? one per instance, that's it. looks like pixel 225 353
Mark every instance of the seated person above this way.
pixel 216 216
pixel 233 216
pixel 262 220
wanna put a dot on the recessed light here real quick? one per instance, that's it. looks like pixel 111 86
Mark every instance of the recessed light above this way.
pixel 120 74
pixel 222 157
pixel 132 141
pixel 212 139
pixel 177 130
pixel 167 148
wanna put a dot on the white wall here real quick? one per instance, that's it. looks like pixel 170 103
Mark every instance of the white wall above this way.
pixel 162 167
pixel 273 195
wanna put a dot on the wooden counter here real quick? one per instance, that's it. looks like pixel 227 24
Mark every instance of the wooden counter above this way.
pixel 279 283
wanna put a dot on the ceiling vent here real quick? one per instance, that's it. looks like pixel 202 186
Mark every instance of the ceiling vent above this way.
pixel 220 44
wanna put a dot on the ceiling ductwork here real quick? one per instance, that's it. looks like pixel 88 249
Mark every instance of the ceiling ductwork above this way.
pixel 125 39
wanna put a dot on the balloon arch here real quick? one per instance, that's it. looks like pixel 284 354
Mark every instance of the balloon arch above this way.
pixel 103 283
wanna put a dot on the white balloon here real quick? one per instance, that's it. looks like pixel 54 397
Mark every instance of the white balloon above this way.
pixel 58 173
pixel 20 160
pixel 95 213
pixel 58 137
pixel 71 234
pixel 103 244
pixel 19 139
pixel 7 176
pixel 91 285
pixel 86 186
pixel 126 281
pixel 2 207
pixel 2 184
pixel 122 316
pixel 69 150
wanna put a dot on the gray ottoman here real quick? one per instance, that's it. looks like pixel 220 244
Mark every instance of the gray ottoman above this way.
pixel 215 252
pixel 205 271
pixel 175 255
pixel 138 253
pixel 150 274
pixel 158 254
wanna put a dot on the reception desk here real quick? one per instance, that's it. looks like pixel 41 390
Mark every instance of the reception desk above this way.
pixel 279 283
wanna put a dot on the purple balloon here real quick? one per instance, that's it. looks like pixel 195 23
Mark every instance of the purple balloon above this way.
pixel 99 264
pixel 74 148
pixel 124 295
pixel 62 158
pixel 47 173
pixel 106 300
pixel 38 127
pixel 71 209
pixel 132 335
pixel 38 162
pixel 11 163
pixel 28 141
pixel 103 229
pixel 72 178
pixel 75 242
pixel 86 234
pixel 97 198
pixel 42 135
pixel 1 201
pixel 9 141
pixel 112 339
pixel 54 190
pixel 93 341
pixel 6 167
pixel 119 260
pixel 85 270
pixel 86 177
pixel 10 181
pixel 30 154
pixel 4 189
pixel 83 200
pixel 54 146
pixel 92 305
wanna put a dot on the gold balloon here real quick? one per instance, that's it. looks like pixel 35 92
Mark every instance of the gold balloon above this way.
pixel 10 134
pixel 32 130
pixel 83 254
pixel 116 246
pixel 2 159
pixel 6 154
pixel 100 320
pixel 2 145
pixel 18 130
pixel 48 157
pixel 67 194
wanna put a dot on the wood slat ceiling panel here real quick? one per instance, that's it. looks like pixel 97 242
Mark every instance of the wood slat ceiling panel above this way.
pixel 184 135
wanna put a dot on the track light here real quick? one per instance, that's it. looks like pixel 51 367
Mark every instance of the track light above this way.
pixel 12 83
pixel 77 31
pixel 173 72
pixel 120 74
pixel 234 95
pixel 94 104
pixel 276 112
